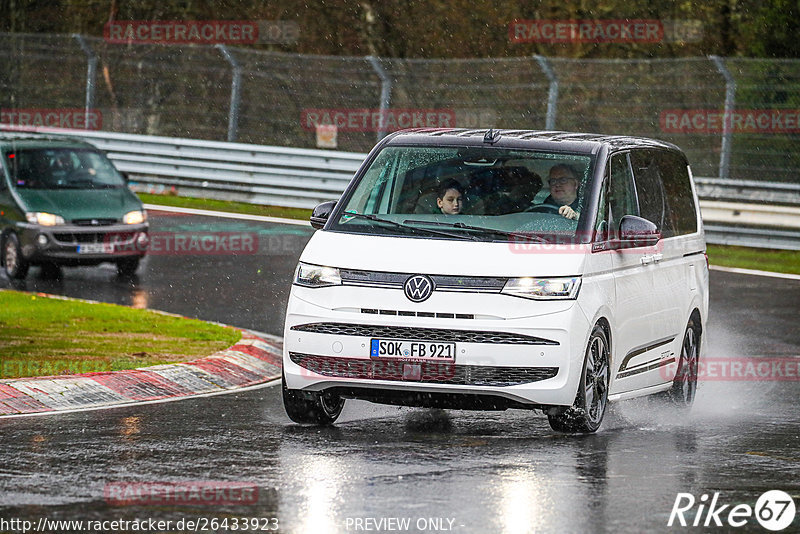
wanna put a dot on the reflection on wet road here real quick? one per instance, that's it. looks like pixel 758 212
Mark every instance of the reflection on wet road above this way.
pixel 485 471
pixel 490 472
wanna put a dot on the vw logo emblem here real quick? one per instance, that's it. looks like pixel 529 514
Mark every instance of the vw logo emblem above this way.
pixel 418 288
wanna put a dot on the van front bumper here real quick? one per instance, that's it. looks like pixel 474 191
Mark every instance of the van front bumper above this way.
pixel 535 361
pixel 69 244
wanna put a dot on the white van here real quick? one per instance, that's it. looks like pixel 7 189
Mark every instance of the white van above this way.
pixel 499 269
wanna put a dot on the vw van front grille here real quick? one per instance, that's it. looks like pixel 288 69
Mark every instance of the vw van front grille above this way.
pixel 428 372
pixel 386 280
pixel 422 334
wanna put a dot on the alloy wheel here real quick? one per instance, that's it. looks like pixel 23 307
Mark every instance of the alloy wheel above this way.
pixel 596 383
pixel 685 383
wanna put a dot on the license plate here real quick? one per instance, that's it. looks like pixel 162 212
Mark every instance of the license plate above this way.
pixel 412 350
pixel 96 248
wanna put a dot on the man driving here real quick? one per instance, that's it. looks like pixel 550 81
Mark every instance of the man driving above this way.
pixel 564 181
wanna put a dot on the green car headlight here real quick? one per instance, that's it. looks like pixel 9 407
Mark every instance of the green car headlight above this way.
pixel 44 219
pixel 135 217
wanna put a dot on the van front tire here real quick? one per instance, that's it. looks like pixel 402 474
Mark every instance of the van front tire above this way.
pixel 586 413
pixel 311 408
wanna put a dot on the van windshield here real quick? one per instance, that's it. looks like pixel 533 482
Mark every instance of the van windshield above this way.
pixel 62 168
pixel 465 192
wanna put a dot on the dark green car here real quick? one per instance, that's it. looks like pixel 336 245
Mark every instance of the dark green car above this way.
pixel 63 203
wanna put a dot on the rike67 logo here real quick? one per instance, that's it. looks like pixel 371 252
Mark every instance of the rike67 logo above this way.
pixel 774 510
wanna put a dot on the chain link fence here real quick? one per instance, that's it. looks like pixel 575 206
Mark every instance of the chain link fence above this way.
pixel 250 96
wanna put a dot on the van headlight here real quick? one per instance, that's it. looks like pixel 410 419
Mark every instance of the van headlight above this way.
pixel 543 288
pixel 134 217
pixel 44 219
pixel 308 275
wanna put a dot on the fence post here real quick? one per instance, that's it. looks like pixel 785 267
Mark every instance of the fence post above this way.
pixel 91 71
pixel 730 104
pixel 236 86
pixel 552 93
pixel 386 93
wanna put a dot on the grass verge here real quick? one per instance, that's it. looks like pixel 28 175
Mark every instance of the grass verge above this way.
pixel 41 336
pixel 779 261
pixel 225 205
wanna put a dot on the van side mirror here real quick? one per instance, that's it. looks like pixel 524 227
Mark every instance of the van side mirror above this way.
pixel 637 232
pixel 321 214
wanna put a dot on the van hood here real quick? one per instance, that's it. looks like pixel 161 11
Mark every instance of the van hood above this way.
pixel 439 256
pixel 80 203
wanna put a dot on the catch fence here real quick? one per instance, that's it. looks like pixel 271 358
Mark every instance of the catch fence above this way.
pixel 252 96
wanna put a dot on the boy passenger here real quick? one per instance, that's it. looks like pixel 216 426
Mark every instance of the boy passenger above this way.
pixel 450 197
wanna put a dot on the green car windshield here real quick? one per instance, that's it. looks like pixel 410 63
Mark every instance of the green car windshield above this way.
pixel 62 168
pixel 493 193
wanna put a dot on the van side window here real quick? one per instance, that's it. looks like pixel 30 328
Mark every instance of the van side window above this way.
pixel 601 222
pixel 650 190
pixel 622 196
pixel 675 174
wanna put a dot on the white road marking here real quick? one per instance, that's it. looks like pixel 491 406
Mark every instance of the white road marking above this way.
pixel 755 272
pixel 226 215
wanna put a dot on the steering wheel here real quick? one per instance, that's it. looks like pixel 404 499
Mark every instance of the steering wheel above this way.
pixel 544 208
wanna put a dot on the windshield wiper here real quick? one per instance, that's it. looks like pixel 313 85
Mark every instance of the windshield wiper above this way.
pixel 96 185
pixel 407 227
pixel 86 184
pixel 481 229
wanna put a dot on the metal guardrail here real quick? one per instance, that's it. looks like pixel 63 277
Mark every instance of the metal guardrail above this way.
pixel 750 213
pixel 278 176
pixel 746 213
pixel 748 191
pixel 752 237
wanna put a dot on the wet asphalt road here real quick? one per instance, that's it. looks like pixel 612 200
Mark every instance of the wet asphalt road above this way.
pixel 487 472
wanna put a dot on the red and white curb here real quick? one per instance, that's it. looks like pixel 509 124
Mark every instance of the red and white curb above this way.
pixel 253 360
